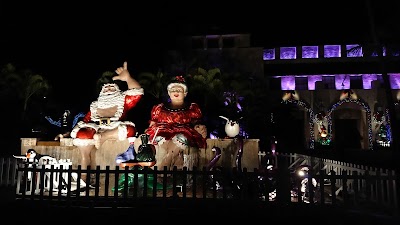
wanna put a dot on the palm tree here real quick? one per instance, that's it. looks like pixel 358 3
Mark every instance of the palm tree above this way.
pixel 231 95
pixel 206 87
pixel 154 84
pixel 249 93
pixel 23 96
pixel 23 85
pixel 378 42
pixel 391 106
pixel 383 40
pixel 35 85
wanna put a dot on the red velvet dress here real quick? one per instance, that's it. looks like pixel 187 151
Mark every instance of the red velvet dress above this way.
pixel 170 122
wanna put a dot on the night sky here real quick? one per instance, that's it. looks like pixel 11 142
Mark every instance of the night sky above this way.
pixel 72 44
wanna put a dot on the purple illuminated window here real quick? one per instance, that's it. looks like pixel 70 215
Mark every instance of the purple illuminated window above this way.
pixel 331 51
pixel 342 81
pixel 269 54
pixel 354 51
pixel 312 80
pixel 288 83
pixel 394 80
pixel 288 53
pixel 367 80
pixel 310 52
pixel 336 81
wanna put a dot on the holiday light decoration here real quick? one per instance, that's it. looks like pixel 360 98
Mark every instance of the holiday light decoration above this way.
pixel 378 117
pixel 382 124
pixel 322 123
pixel 389 130
pixel 359 102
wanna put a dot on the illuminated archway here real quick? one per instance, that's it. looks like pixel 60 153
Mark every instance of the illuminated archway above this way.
pixel 360 103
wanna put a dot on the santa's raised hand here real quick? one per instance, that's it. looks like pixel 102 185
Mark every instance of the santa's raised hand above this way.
pixel 124 75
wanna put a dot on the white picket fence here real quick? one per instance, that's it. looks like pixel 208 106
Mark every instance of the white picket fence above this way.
pixel 343 183
pixel 359 183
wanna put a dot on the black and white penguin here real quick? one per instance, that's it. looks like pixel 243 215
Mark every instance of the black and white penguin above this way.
pixel 31 156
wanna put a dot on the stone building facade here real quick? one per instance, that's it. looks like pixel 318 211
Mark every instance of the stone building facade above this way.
pixel 335 89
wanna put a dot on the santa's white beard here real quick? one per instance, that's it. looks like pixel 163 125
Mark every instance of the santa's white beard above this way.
pixel 110 100
pixel 106 102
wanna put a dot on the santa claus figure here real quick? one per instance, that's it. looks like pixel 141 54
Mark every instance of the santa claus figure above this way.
pixel 107 117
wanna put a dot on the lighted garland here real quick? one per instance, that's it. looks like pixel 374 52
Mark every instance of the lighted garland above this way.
pixel 311 116
pixel 360 103
pixel 388 126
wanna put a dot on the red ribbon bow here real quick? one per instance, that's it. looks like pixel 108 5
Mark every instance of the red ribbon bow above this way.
pixel 180 79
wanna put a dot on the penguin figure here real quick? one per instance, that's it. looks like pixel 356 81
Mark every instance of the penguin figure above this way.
pixel 232 128
pixel 31 156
